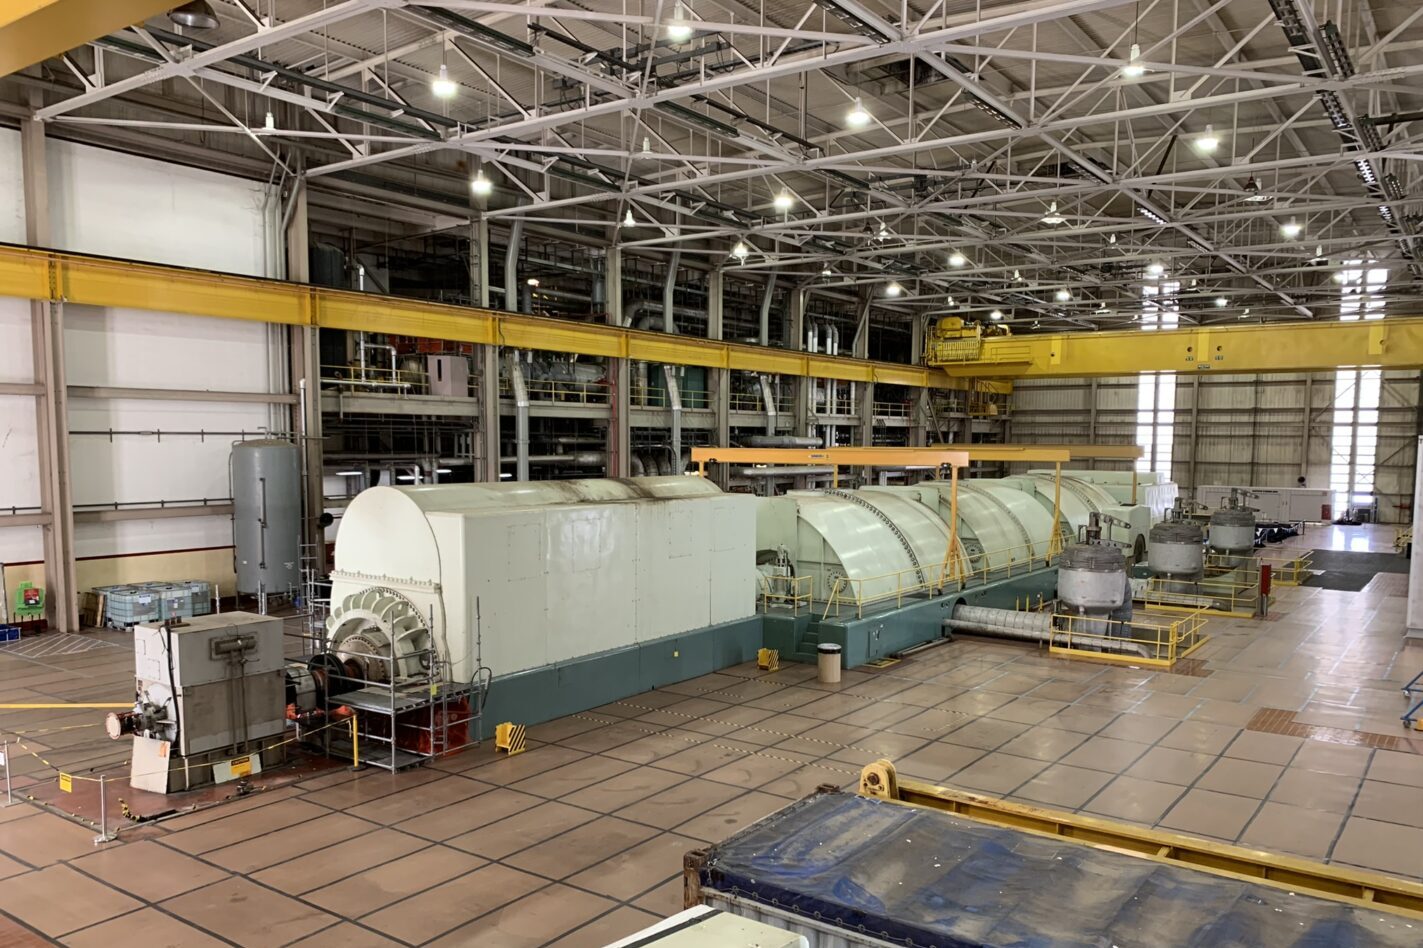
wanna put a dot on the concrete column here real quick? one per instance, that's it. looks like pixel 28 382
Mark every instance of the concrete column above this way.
pixel 866 409
pixel 718 380
pixel 512 285
pixel 51 413
pixel 619 431
pixel 804 423
pixel 860 347
pixel 919 414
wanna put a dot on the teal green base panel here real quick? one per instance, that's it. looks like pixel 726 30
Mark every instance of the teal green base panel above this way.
pixel 542 694
pixel 890 631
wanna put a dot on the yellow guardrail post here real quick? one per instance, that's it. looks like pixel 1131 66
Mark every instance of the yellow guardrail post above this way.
pixel 356 745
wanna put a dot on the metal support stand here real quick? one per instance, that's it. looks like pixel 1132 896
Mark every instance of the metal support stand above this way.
pixel 104 836
pixel 5 760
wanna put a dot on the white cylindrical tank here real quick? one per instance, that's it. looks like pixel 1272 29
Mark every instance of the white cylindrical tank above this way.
pixel 1232 530
pixel 1175 549
pixel 266 516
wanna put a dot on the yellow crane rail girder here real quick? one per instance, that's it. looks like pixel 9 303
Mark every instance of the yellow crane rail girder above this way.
pixel 1073 452
pixel 32 31
pixel 834 457
pixel 1370 890
pixel 34 274
pixel 1312 346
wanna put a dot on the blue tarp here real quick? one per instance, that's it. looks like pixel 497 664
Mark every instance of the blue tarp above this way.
pixel 920 877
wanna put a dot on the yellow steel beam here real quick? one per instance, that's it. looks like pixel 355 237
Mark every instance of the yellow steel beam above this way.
pixel 39 274
pixel 1395 342
pixel 834 457
pixel 1072 452
pixel 31 31
pixel 1339 883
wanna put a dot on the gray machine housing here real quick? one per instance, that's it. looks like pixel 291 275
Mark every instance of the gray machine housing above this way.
pixel 211 690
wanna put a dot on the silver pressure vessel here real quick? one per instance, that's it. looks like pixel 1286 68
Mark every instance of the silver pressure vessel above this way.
pixel 1174 548
pixel 1091 578
pixel 1233 530
pixel 266 516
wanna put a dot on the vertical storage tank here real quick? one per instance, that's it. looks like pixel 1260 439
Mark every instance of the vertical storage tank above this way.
pixel 266 516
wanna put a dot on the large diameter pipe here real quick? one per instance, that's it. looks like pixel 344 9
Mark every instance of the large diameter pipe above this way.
pixel 511 269
pixel 674 401
pixel 780 441
pixel 521 418
pixel 669 292
pixel 1022 626
pixel 768 397
pixel 764 337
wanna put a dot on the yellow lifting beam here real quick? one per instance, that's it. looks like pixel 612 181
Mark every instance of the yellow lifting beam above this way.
pixel 41 274
pixel 32 31
pixel 1354 886
pixel 1305 346
pixel 1074 452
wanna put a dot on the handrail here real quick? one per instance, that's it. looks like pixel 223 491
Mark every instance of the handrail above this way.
pixel 561 390
pixel 1159 643
pixel 793 591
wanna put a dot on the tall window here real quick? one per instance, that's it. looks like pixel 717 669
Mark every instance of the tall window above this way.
pixel 1354 438
pixel 1156 391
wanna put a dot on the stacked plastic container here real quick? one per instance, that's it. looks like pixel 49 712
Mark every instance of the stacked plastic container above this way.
pixel 128 605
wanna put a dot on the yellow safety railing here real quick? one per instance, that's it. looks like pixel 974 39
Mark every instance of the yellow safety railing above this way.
pixel 373 378
pixel 653 396
pixel 1289 569
pixel 752 401
pixel 559 390
pixel 793 591
pixel 950 576
pixel 1229 597
pixel 893 409
pixel 1158 643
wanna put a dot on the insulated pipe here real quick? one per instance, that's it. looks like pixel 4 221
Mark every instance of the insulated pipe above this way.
pixel 511 270
pixel 783 471
pixel 780 441
pixel 769 397
pixel 669 290
pixel 521 417
pixel 674 401
pixel 579 459
pixel 765 336
pixel 1023 626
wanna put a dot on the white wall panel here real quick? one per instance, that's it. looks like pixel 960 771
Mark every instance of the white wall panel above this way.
pixel 12 192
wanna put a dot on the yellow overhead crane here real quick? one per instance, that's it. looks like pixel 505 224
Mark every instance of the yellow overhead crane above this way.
pixel 34 274
pixel 32 31
pixel 1302 346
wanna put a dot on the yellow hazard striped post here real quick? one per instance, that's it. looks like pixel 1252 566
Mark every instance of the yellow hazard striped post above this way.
pixel 509 738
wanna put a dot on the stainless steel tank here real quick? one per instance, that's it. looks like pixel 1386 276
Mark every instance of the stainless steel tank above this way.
pixel 1174 549
pixel 266 516
pixel 1091 578
pixel 1232 530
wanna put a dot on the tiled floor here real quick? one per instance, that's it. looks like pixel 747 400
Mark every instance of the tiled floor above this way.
pixel 580 840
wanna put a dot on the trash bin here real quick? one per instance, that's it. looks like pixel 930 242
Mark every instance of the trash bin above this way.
pixel 829 659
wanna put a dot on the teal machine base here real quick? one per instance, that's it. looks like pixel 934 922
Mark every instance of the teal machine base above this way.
pixel 542 694
pixel 888 630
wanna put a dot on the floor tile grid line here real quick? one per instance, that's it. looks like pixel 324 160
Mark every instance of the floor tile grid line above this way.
pixel 1353 802
pixel 499 861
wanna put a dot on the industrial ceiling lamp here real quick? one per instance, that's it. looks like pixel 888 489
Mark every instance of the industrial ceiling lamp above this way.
pixel 269 124
pixel 532 281
pixel 784 201
pixel 957 259
pixel 1052 216
pixel 195 15
pixel 1063 295
pixel 1290 229
pixel 894 289
pixel 1253 193
pixel 481 185
pixel 741 251
pixel 1155 269
pixel 827 271
pixel 1245 314
pixel 1220 302
pixel 1016 275
pixel 1208 142
pixel 883 232
pixel 857 117
pixel 996 315
pixel 680 29
pixel 442 85
pixel 628 219
pixel 1135 68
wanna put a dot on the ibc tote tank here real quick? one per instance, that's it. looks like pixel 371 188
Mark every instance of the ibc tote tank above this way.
pixel 266 515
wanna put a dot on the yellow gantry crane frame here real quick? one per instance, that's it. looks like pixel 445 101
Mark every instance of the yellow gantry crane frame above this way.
pixel 32 31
